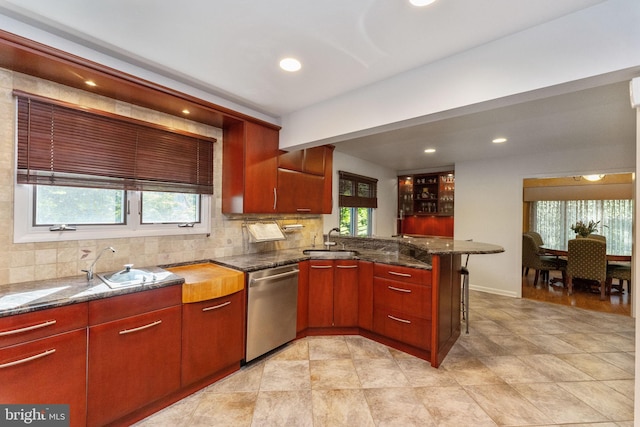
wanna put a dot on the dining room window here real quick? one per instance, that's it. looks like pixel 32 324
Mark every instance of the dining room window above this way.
pixel 553 220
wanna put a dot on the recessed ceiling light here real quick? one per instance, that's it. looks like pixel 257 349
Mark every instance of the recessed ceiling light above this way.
pixel 290 64
pixel 185 111
pixel 430 150
pixel 499 140
pixel 90 83
pixel 421 3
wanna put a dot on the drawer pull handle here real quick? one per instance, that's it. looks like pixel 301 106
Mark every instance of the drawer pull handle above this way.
pixel 393 288
pixel 303 210
pixel 28 328
pixel 321 266
pixel 28 359
pixel 397 319
pixel 395 273
pixel 216 306
pixel 346 266
pixel 140 328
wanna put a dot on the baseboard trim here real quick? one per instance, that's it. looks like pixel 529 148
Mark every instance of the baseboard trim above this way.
pixel 494 291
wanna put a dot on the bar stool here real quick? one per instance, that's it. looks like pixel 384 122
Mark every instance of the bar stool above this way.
pixel 464 271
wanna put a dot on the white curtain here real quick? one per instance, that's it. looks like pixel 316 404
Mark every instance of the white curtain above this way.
pixel 553 220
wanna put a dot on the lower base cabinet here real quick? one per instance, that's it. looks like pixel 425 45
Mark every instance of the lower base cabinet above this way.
pixel 212 336
pixel 135 360
pixel 403 304
pixel 47 371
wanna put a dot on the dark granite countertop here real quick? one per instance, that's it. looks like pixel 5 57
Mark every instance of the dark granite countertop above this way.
pixel 410 252
pixel 25 297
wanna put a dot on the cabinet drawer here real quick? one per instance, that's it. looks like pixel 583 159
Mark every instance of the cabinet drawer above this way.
pixel 30 326
pixel 46 371
pixel 407 298
pixel 109 309
pixel 404 274
pixel 405 328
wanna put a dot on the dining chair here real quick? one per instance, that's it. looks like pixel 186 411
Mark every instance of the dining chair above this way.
pixel 538 239
pixel 531 259
pixel 620 271
pixel 587 260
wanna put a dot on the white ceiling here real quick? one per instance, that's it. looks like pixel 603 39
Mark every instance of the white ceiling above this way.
pixel 232 48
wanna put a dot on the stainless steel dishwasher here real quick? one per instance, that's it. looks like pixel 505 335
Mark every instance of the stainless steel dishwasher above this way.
pixel 271 309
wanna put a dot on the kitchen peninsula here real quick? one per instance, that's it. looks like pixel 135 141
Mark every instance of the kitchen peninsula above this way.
pixel 406 294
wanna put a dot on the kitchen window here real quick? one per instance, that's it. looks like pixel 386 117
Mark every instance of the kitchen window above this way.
pixel 357 199
pixel 84 174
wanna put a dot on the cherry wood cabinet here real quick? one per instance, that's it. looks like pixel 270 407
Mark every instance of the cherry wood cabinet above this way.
pixel 43 359
pixel 302 322
pixel 249 171
pixel 320 293
pixel 345 293
pixel 402 304
pixel 365 295
pixel 212 336
pixel 304 180
pixel 257 177
pixel 333 293
pixel 134 352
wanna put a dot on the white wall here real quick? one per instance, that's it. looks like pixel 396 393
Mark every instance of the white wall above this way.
pixel 592 42
pixel 384 217
pixel 489 204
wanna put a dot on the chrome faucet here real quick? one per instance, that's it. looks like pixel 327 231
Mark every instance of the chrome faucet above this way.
pixel 90 270
pixel 329 243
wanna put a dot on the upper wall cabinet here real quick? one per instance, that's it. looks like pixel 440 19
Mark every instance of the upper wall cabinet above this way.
pixel 304 180
pixel 259 178
pixel 249 171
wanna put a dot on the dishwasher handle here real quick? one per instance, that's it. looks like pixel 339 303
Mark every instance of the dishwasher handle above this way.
pixel 274 276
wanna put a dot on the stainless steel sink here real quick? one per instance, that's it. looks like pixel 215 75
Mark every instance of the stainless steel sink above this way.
pixel 129 277
pixel 330 254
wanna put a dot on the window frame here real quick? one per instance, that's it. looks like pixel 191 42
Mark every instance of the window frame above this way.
pixel 25 232
pixel 353 222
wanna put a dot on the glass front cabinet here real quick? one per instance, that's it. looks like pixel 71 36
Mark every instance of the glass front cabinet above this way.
pixel 426 194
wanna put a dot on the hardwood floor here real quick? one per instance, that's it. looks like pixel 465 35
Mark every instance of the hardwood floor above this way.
pixel 616 302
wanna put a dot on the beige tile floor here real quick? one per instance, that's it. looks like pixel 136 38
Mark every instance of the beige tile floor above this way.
pixel 524 363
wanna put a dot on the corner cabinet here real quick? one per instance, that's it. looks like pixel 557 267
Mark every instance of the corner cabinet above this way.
pixel 257 177
pixel 333 293
pixel 304 180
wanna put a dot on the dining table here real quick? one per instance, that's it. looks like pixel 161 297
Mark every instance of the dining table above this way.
pixel 563 252
pixel 611 257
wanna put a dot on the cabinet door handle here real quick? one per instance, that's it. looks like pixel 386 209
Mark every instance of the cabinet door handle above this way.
pixel 140 328
pixel 28 328
pixel 275 198
pixel 393 288
pixel 224 304
pixel 321 266
pixel 28 359
pixel 395 273
pixel 303 210
pixel 346 266
pixel 397 319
